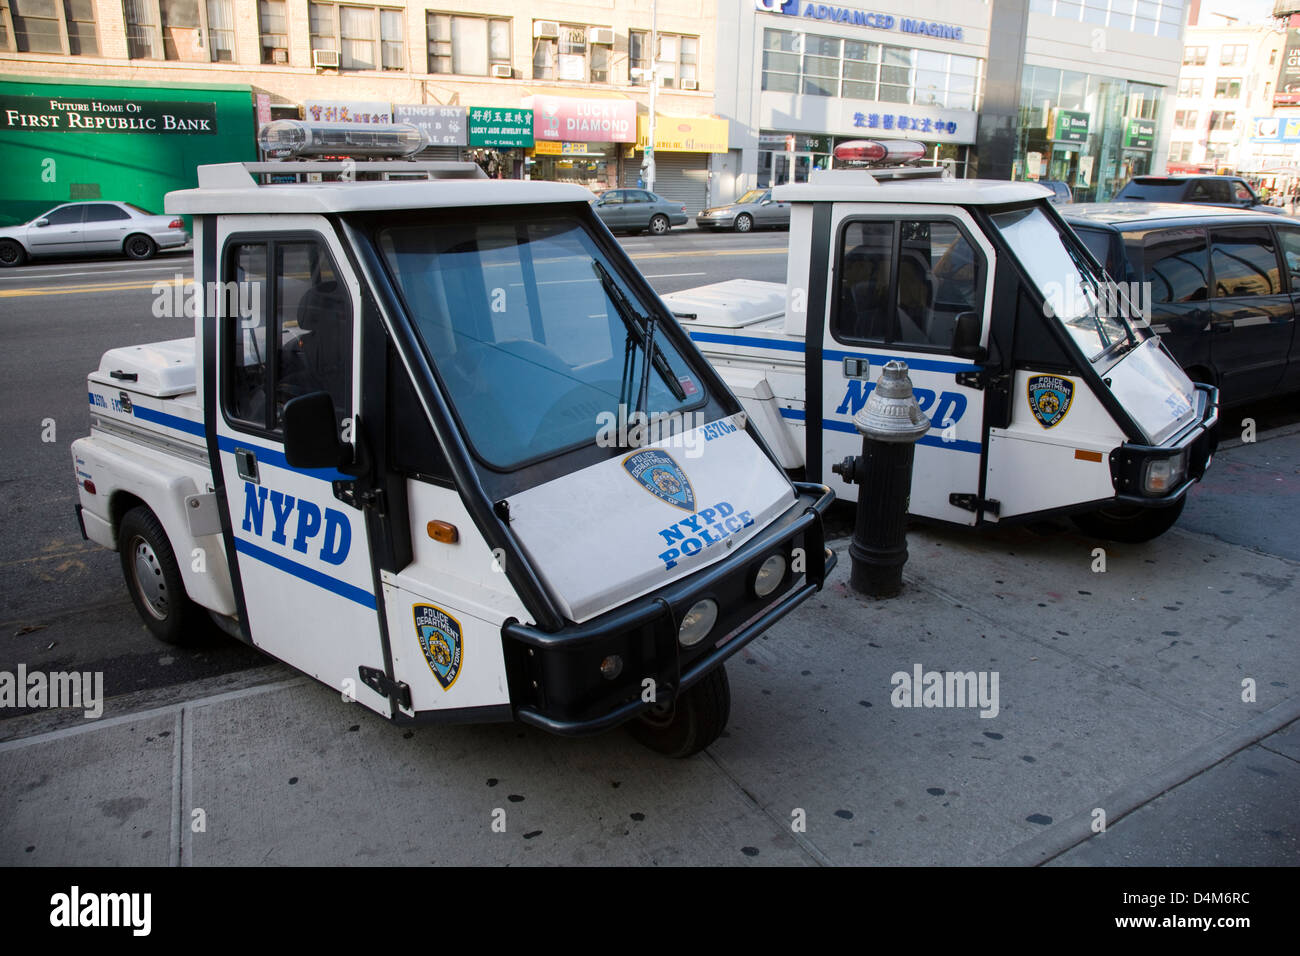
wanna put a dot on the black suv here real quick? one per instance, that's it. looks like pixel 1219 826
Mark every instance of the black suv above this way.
pixel 1225 287
pixel 1201 190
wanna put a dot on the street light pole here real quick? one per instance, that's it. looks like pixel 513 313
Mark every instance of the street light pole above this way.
pixel 648 163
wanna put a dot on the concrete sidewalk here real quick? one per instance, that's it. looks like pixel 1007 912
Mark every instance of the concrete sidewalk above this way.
pixel 1118 691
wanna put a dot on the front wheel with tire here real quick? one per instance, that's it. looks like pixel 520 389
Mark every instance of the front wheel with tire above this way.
pixel 139 247
pixel 658 225
pixel 12 253
pixel 744 223
pixel 154 578
pixel 1129 524
pixel 691 722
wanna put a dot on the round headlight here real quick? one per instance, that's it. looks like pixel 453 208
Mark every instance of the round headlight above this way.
pixel 697 623
pixel 770 575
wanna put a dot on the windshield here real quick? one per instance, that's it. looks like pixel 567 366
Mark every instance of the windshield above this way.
pixel 754 195
pixel 533 351
pixel 1070 287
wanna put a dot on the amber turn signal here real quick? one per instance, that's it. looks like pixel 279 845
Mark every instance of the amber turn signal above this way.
pixel 443 531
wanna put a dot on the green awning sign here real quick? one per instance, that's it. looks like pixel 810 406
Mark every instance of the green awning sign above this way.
pixel 1070 126
pixel 86 114
pixel 1140 134
pixel 500 128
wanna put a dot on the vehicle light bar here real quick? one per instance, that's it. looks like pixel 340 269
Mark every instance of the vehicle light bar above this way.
pixel 295 139
pixel 868 152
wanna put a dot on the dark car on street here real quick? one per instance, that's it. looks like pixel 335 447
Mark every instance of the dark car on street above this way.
pixel 1224 287
pixel 638 210
pixel 1200 190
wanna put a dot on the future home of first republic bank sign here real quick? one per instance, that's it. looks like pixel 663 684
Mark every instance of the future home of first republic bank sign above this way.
pixel 858 18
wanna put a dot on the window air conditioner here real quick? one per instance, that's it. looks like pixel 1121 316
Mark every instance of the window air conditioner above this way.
pixel 325 59
pixel 546 28
pixel 601 36
pixel 690 85
pixel 502 72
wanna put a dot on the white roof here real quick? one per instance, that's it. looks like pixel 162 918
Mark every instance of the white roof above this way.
pixel 858 185
pixel 228 188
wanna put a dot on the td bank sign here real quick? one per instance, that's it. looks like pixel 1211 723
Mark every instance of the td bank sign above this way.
pixel 81 115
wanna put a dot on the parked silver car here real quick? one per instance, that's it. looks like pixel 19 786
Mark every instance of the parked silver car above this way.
pixel 78 228
pixel 754 210
pixel 636 210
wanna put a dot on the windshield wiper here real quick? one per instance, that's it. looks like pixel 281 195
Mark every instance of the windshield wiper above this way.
pixel 640 328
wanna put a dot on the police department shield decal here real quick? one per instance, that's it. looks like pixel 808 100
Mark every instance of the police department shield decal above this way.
pixel 439 635
pixel 662 477
pixel 1049 398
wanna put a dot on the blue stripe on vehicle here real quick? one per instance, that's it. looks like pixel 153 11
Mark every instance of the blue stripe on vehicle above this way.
pixel 275 458
pixel 830 355
pixel 310 575
pixel 972 447
pixel 169 421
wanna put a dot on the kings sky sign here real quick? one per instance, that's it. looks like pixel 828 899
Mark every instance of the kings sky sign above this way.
pixel 850 16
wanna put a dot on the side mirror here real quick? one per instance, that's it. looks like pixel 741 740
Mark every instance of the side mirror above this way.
pixel 311 433
pixel 41 222
pixel 966 337
pixel 766 202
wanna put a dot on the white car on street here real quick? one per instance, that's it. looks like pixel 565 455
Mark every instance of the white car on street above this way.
pixel 79 228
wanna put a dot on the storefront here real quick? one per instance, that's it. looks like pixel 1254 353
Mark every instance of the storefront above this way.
pixel 114 141
pixel 579 140
pixel 1093 133
pixel 682 147
pixel 445 127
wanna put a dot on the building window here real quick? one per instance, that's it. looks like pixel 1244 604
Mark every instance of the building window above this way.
pixel 678 61
pixel 470 46
pixel 49 26
pixel 1180 152
pixel 366 38
pixel 1158 17
pixel 1195 55
pixel 1191 87
pixel 194 31
pixel 828 66
pixel 572 54
pixel 274 27
pixel 1223 120
pixel 1233 54
pixel 1228 88
pixel 638 58
pixel 1185 119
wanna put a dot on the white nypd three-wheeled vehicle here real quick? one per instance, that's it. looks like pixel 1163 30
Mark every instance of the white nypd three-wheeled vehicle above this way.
pixel 389 459
pixel 1047 392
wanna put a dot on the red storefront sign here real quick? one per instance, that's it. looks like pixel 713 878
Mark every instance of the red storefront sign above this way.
pixel 566 119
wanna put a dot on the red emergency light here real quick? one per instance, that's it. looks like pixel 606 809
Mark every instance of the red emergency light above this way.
pixel 871 152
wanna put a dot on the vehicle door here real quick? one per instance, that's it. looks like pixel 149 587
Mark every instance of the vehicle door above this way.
pixel 105 227
pixel 1251 319
pixel 1289 240
pixel 289 320
pixel 1175 264
pixel 1242 195
pixel 641 206
pixel 764 210
pixel 901 277
pixel 61 232
pixel 613 209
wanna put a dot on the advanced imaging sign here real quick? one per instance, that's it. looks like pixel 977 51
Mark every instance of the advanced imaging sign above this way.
pixel 85 115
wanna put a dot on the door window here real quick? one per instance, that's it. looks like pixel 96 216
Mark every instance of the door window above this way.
pixel 1245 262
pixel 288 330
pixel 64 216
pixel 905 282
pixel 105 212
pixel 1241 192
pixel 1291 255
pixel 1176 264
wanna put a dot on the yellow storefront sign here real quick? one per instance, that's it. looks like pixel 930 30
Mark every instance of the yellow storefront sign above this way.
pixel 684 134
pixel 551 147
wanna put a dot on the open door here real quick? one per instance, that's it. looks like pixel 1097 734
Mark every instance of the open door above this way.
pixel 288 328
pixel 902 275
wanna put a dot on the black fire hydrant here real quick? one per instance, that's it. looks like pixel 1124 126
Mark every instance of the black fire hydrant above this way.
pixel 891 423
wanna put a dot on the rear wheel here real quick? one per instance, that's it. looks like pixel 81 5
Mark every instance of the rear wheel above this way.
pixel 691 722
pixel 154 579
pixel 1129 524
pixel 658 225
pixel 139 247
pixel 744 222
pixel 12 253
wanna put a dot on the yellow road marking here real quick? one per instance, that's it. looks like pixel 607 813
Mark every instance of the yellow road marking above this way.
pixel 84 289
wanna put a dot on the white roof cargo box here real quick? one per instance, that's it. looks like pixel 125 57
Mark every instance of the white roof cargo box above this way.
pixel 160 369
pixel 729 305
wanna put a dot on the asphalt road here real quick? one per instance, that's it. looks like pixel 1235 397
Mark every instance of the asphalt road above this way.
pixel 62 599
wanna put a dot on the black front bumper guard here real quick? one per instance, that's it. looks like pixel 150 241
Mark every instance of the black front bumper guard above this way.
pixel 1199 440
pixel 555 676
